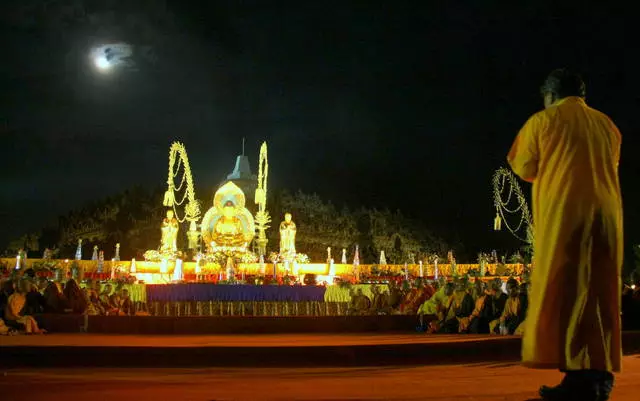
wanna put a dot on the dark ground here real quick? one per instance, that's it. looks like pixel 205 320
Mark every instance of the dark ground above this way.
pixel 477 382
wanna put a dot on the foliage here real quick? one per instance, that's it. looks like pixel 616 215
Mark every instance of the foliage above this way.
pixel 132 218
pixel 321 225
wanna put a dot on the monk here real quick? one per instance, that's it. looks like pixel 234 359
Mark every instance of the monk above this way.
pixel 570 152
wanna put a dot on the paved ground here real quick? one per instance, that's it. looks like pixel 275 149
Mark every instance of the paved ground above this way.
pixel 477 382
pixel 237 340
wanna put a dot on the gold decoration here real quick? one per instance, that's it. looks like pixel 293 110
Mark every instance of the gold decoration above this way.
pixel 501 179
pixel 262 216
pixel 497 223
pixel 178 153
pixel 228 223
pixel 288 237
pixel 170 228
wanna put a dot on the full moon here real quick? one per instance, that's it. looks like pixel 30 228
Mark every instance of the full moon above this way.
pixel 102 63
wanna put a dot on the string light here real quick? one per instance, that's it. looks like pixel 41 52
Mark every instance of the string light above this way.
pixel 192 208
pixel 504 179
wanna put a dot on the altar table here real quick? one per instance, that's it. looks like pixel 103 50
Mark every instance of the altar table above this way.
pixel 213 292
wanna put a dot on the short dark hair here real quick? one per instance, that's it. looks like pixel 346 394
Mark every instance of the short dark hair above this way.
pixel 563 83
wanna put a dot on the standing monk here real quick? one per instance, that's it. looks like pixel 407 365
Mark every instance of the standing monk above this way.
pixel 570 153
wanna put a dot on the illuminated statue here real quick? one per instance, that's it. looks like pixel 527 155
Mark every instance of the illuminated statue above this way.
pixel 169 230
pixel 178 153
pixel 228 229
pixel 228 223
pixel 288 236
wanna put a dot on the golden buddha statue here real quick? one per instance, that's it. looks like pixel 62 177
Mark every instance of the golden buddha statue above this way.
pixel 228 229
pixel 169 229
pixel 287 236
pixel 228 223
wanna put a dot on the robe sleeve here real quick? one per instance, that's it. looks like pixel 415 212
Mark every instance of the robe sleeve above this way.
pixel 617 145
pixel 524 154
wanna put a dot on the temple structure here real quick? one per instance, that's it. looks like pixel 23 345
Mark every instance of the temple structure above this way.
pixel 243 177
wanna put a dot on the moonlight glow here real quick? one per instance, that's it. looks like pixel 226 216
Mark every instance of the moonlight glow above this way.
pixel 102 63
pixel 110 56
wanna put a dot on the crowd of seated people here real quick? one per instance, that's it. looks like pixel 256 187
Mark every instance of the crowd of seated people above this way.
pixel 458 306
pixel 23 299
pixel 480 308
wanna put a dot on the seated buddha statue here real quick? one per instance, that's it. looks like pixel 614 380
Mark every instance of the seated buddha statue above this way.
pixel 228 223
pixel 228 229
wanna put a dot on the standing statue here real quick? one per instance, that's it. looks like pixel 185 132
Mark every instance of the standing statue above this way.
pixel 169 241
pixel 287 236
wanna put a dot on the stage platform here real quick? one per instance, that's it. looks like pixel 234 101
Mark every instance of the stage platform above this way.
pixel 262 350
pixel 226 324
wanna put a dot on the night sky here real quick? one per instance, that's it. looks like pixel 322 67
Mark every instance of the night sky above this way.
pixel 383 104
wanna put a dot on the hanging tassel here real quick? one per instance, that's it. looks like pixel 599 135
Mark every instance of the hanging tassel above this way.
pixel 260 196
pixel 168 198
pixel 497 223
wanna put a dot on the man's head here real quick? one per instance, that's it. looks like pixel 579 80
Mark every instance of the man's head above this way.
pixel 287 217
pixel 513 290
pixel 169 214
pixel 448 289
pixel 496 287
pixel 461 285
pixel 562 83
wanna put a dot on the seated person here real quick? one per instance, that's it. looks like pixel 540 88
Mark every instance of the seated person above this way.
pixel 380 303
pixel 443 309
pixel 512 315
pixel 94 307
pixel 415 298
pixel 115 301
pixel 16 305
pixel 108 300
pixel 35 300
pixel 498 298
pixel 76 300
pixel 54 300
pixel 478 321
pixel 359 304
pixel 431 306
pixel 126 304
pixel 458 305
pixel 395 295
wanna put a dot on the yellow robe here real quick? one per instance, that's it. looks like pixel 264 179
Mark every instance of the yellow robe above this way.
pixel 570 153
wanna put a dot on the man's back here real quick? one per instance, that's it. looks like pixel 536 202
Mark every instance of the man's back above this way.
pixel 570 153
pixel 578 152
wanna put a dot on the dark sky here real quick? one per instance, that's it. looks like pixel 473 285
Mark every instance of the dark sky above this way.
pixel 365 103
